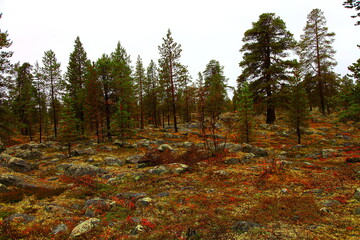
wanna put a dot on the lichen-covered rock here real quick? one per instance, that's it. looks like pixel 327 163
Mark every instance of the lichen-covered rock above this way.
pixel 61 228
pixel 28 154
pixel 158 170
pixel 77 170
pixel 11 180
pixel 244 226
pixel 84 227
pixel 258 152
pixel 20 165
pixel 144 202
pixel 164 147
pixel 177 168
pixel 81 152
pixel 20 217
pixel 357 194
pixel 113 161
pixel 134 159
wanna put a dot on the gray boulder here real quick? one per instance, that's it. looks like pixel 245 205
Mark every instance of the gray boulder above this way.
pixel 28 154
pixel 61 228
pixel 113 161
pixel 258 152
pixel 11 180
pixel 134 159
pixel 81 152
pixel 84 227
pixel 20 165
pixel 244 226
pixel 77 170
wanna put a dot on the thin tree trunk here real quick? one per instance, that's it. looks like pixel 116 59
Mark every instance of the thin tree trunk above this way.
pixel 173 93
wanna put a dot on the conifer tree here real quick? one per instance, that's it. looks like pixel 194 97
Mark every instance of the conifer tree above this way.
pixel 215 85
pixel 245 104
pixel 104 72
pixel 75 77
pixel 123 83
pixel 316 52
pixel 40 99
pixel 52 77
pixel 122 123
pixel 151 86
pixel 201 102
pixel 5 69
pixel 24 99
pixel 265 61
pixel 68 125
pixel 170 53
pixel 353 4
pixel 298 112
pixel 94 102
pixel 140 78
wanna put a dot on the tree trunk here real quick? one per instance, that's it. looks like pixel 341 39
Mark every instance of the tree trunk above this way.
pixel 319 74
pixel 173 94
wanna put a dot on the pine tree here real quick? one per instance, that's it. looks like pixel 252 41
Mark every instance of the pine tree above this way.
pixel 104 68
pixel 52 77
pixel 201 102
pixel 151 85
pixel 122 123
pixel 245 104
pixel 5 69
pixel 24 99
pixel 68 131
pixel 316 52
pixel 122 81
pixel 353 4
pixel 265 61
pixel 140 78
pixel 215 85
pixel 75 77
pixel 298 112
pixel 170 53
pixel 94 102
pixel 40 99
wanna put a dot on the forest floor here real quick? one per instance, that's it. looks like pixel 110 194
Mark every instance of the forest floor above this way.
pixel 165 185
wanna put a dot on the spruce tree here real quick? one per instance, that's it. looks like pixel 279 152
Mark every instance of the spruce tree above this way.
pixel 75 77
pixel 123 83
pixel 215 85
pixel 24 99
pixel 316 52
pixel 298 112
pixel 265 63
pixel 245 111
pixel 68 125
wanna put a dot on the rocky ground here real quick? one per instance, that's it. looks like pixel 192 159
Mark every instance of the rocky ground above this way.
pixel 162 185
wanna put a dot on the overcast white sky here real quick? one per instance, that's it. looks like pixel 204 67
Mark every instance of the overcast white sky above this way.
pixel 206 29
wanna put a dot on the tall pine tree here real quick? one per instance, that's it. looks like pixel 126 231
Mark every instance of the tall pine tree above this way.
pixel 316 52
pixel 51 74
pixel 5 69
pixel 140 79
pixel 170 53
pixel 265 62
